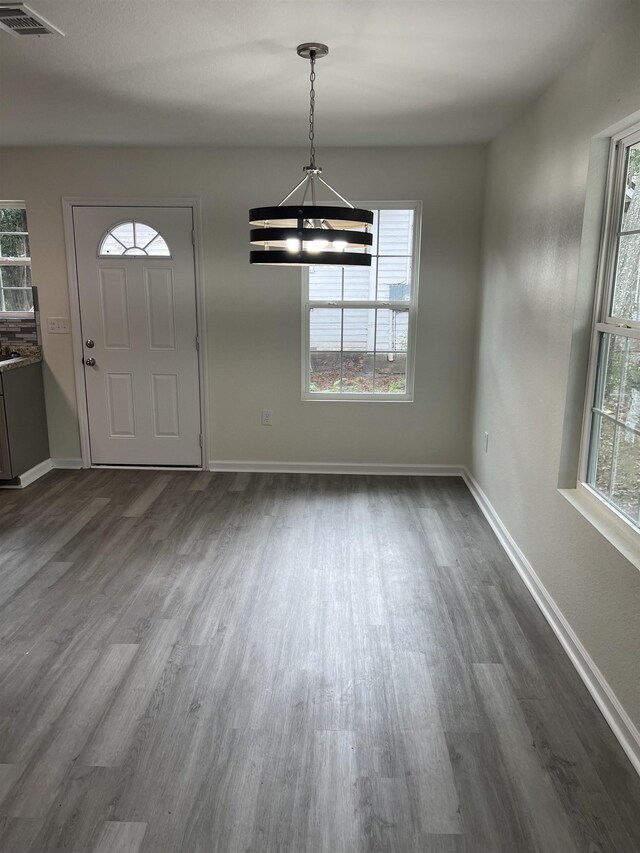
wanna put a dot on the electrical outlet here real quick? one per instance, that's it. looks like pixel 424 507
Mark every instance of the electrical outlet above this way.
pixel 58 325
pixel 267 417
pixel 486 442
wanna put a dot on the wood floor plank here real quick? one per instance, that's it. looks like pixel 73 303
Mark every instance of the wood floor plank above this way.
pixel 144 501
pixel 222 814
pixel 16 572
pixel 18 835
pixel 109 742
pixel 333 823
pixel 614 770
pixel 34 791
pixel 487 806
pixel 456 697
pixel 575 780
pixel 385 815
pixel 9 773
pixel 76 816
pixel 532 787
pixel 280 663
pixel 121 837
pixel 40 698
pixel 438 537
pixel 435 808
pixel 73 525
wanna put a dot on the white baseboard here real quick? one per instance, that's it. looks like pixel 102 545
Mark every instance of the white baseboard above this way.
pixel 621 724
pixel 67 464
pixel 35 473
pixel 31 475
pixel 337 468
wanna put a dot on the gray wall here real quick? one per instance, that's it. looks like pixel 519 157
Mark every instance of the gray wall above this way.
pixel 254 313
pixel 533 307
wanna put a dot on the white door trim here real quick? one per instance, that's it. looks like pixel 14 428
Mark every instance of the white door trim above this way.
pixel 194 204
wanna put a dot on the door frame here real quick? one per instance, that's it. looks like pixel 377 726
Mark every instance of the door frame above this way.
pixel 194 204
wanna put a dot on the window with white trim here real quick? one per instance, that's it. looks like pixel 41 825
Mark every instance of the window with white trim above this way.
pixel 133 238
pixel 359 323
pixel 612 457
pixel 16 295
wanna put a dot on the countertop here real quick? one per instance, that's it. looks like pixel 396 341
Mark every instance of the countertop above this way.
pixel 28 355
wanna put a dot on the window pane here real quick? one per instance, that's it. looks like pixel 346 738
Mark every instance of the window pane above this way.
pixel 602 449
pixel 124 233
pixel 158 248
pixel 626 291
pixel 16 299
pixel 14 246
pixel 631 200
pixel 325 283
pixel 625 479
pixel 391 373
pixel 357 373
pixel 359 329
pixel 325 329
pixel 15 276
pixel 395 232
pixel 615 449
pixel 619 396
pixel 629 408
pixel 111 246
pixel 392 331
pixel 13 219
pixel 324 372
pixel 611 356
pixel 360 282
pixel 394 279
pixel 144 234
pixel 336 373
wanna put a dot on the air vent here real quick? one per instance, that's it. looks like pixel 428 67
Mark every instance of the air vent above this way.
pixel 19 20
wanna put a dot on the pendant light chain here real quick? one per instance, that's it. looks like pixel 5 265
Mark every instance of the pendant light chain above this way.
pixel 312 110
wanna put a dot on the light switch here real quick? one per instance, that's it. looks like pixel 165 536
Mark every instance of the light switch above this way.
pixel 58 325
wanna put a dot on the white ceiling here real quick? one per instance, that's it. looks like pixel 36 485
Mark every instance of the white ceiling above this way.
pixel 399 72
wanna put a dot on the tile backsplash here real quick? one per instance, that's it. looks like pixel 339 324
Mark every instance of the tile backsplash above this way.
pixel 22 330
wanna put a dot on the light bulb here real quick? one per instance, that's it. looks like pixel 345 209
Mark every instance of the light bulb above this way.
pixel 339 245
pixel 316 245
pixel 293 245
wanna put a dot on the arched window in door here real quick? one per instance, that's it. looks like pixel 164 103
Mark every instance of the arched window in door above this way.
pixel 133 238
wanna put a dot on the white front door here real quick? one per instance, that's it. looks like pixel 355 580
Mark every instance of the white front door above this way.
pixel 136 287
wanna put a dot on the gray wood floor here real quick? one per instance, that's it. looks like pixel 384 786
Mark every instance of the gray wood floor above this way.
pixel 196 662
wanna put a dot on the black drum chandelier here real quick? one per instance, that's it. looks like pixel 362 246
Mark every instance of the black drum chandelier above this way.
pixel 311 234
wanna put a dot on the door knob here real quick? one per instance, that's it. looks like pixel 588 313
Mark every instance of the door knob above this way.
pixel 89 362
pixel 89 343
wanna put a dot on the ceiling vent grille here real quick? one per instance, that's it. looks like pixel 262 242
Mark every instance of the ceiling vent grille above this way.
pixel 19 20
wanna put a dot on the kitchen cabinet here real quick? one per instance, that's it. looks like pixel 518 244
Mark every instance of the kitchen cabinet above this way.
pixel 24 442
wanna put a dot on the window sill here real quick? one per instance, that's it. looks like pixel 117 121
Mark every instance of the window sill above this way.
pixel 357 398
pixel 16 315
pixel 615 529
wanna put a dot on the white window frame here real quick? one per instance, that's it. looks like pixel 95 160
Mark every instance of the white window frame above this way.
pixel 603 322
pixel 411 307
pixel 16 262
